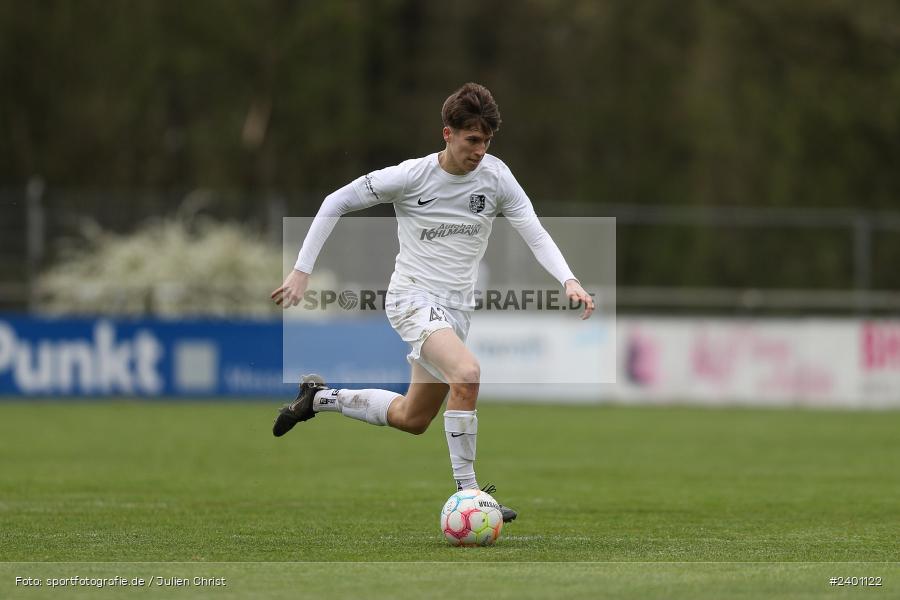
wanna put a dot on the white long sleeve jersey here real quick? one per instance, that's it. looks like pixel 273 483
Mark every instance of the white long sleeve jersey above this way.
pixel 443 224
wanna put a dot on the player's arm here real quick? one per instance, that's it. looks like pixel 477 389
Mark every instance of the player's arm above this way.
pixel 374 188
pixel 575 292
pixel 291 291
pixel 518 209
pixel 335 204
pixel 548 255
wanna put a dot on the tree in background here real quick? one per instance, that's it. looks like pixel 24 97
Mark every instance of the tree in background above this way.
pixel 691 103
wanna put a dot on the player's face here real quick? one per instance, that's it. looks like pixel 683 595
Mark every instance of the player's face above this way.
pixel 466 147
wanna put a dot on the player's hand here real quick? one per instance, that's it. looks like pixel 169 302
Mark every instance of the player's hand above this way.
pixel 575 292
pixel 291 291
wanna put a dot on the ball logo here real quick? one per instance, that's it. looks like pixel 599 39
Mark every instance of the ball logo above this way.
pixel 471 518
pixel 348 300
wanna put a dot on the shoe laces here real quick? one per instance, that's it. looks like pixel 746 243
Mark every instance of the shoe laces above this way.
pixel 489 489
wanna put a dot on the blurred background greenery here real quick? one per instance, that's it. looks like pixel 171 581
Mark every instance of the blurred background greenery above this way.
pixel 122 109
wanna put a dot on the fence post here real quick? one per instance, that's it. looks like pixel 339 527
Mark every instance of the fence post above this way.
pixel 276 211
pixel 35 238
pixel 862 255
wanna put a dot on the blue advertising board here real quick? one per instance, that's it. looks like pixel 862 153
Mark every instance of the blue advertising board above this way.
pixel 91 357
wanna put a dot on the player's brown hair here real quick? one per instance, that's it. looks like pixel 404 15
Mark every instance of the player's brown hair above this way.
pixel 472 107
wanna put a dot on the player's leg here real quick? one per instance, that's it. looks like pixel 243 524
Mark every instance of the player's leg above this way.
pixel 369 405
pixel 446 352
pixel 411 413
pixel 415 411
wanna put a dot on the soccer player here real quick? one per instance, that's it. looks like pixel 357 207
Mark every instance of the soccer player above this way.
pixel 455 195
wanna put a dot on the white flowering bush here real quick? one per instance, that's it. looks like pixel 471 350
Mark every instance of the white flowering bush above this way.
pixel 169 267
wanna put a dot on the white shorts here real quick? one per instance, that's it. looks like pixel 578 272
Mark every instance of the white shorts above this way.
pixel 415 317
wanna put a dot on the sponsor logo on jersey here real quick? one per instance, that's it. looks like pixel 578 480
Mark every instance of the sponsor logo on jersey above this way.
pixel 446 229
pixel 476 203
pixel 429 201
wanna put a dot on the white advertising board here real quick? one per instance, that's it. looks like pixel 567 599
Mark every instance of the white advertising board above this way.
pixel 879 363
pixel 542 350
pixel 803 362
pixel 849 363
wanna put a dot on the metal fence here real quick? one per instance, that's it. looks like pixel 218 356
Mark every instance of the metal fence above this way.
pixel 39 224
pixel 35 220
pixel 857 230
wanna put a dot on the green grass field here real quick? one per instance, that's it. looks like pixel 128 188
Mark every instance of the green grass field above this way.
pixel 624 502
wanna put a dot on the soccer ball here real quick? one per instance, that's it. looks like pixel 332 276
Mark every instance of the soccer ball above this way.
pixel 471 518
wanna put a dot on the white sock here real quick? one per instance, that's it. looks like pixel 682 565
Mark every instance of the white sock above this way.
pixel 461 428
pixel 369 405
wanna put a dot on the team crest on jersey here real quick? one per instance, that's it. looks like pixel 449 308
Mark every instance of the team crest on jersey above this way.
pixel 476 203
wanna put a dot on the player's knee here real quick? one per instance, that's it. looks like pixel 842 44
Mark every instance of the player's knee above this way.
pixel 467 373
